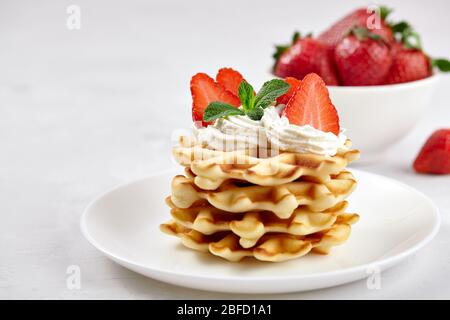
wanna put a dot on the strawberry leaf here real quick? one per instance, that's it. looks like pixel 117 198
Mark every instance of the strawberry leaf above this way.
pixel 411 39
pixel 279 49
pixel 270 91
pixel 384 12
pixel 442 64
pixel 295 37
pixel 400 27
pixel 363 34
pixel 219 109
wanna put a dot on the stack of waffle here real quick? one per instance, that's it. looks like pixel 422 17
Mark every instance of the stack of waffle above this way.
pixel 235 205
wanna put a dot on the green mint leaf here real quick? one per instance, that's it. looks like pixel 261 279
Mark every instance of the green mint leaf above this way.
pixel 442 64
pixel 247 95
pixel 400 27
pixel 219 109
pixel 270 91
pixel 256 113
pixel 384 12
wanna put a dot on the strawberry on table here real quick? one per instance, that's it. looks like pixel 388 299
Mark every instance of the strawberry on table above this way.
pixel 434 157
pixel 230 79
pixel 362 58
pixel 311 105
pixel 306 55
pixel 294 84
pixel 205 90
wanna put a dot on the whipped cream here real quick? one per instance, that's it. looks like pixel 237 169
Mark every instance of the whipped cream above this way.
pixel 272 131
pixel 232 133
pixel 301 139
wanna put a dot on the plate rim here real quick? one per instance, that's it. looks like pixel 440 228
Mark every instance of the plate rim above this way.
pixel 382 264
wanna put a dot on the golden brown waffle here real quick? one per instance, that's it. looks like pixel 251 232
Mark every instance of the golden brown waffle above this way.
pixel 251 226
pixel 282 200
pixel 272 207
pixel 212 167
pixel 274 247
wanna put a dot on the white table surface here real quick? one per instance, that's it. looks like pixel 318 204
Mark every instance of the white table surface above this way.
pixel 82 111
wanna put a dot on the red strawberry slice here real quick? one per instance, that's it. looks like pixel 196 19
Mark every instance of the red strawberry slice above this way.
pixel 294 83
pixel 434 157
pixel 205 90
pixel 230 79
pixel 311 105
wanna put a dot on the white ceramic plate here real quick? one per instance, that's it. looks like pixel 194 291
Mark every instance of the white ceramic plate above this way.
pixel 396 221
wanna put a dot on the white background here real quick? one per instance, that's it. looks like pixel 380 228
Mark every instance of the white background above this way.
pixel 82 111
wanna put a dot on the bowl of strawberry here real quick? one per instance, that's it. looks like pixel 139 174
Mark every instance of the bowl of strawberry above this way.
pixel 378 75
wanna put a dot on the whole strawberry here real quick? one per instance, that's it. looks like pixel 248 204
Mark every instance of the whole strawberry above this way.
pixel 408 64
pixel 362 18
pixel 434 157
pixel 362 58
pixel 306 55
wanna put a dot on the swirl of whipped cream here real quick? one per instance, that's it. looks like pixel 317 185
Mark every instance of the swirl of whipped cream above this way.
pixel 272 131
pixel 301 139
pixel 232 133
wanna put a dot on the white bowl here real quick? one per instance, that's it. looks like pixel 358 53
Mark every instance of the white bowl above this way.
pixel 378 116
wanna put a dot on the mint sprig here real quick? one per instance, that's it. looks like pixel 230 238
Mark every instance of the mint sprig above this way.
pixel 252 105
pixel 219 109
pixel 270 91
pixel 246 95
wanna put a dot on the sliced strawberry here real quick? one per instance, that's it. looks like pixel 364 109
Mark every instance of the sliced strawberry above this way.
pixel 230 79
pixel 294 83
pixel 311 105
pixel 434 157
pixel 205 90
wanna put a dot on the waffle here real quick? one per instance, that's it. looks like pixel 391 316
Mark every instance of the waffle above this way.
pixel 251 226
pixel 282 200
pixel 212 168
pixel 261 204
pixel 274 247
